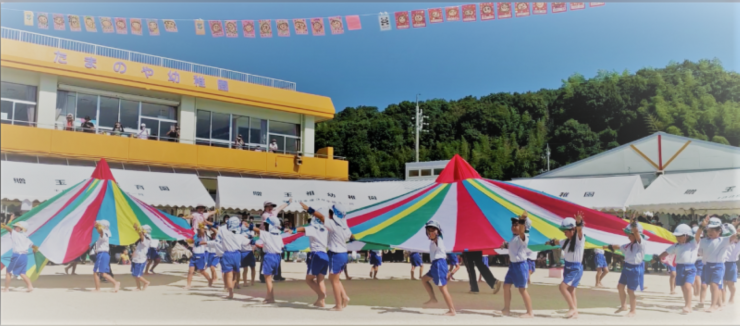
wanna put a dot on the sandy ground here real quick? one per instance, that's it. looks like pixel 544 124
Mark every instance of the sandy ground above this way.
pixel 394 299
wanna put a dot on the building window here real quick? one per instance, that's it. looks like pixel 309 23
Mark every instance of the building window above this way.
pixel 413 173
pixel 222 129
pixel 438 171
pixel 18 104
pixel 426 173
pixel 287 136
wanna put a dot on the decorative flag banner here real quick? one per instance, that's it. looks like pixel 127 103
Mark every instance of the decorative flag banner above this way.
pixel 169 25
pixel 153 27
pixel 504 10
pixel 300 27
pixel 353 22
pixel 317 26
pixel 384 21
pixel 452 14
pixel 469 13
pixel 28 18
pixel 419 18
pixel 336 26
pixel 74 23
pixel 43 20
pixel 121 26
pixel 107 25
pixel 217 28
pixel 596 4
pixel 486 11
pixel 90 24
pixel 58 22
pixel 577 5
pixel 559 7
pixel 539 8
pixel 435 16
pixel 265 28
pixel 200 27
pixel 136 27
pixel 283 28
pixel 402 20
pixel 522 9
pixel 248 28
pixel 231 29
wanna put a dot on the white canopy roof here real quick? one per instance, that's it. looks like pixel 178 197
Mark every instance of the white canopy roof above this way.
pixel 39 182
pixel 250 194
pixel 607 193
pixel 705 192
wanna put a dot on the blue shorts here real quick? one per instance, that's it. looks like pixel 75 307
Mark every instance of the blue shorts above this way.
pixel 137 269
pixel 518 274
pixel 530 266
pixel 270 264
pixel 631 276
pixel 337 262
pixel 485 260
pixel 451 259
pixel 102 262
pixel 213 260
pixel 152 254
pixel 415 259
pixel 375 260
pixel 601 261
pixel 685 273
pixel 308 260
pixel 669 268
pixel 198 261
pixel 18 264
pixel 438 272
pixel 247 259
pixel 572 273
pixel 699 267
pixel 731 271
pixel 319 264
pixel 230 262
pixel 713 273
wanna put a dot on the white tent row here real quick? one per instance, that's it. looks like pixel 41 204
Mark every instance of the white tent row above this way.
pixel 697 192
pixel 250 194
pixel 39 182
pixel 599 193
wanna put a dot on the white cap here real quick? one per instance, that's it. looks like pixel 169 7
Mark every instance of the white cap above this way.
pixel 728 230
pixel 695 229
pixel 714 222
pixel 22 224
pixel 104 223
pixel 234 223
pixel 147 228
pixel 339 210
pixel 434 224
pixel 568 223
pixel 628 230
pixel 683 229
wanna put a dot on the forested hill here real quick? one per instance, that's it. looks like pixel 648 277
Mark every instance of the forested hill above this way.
pixel 503 135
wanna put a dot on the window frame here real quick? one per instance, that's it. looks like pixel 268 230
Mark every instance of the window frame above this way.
pixel 11 120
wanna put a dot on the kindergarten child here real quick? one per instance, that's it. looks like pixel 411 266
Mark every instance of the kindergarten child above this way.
pixel 573 247
pixel 338 233
pixel 601 266
pixel 518 273
pixel 138 261
pixel 415 259
pixel 19 262
pixel 270 233
pixel 318 260
pixel 731 266
pixel 438 271
pixel 198 260
pixel 102 256
pixel 714 247
pixel 152 256
pixel 376 259
pixel 248 261
pixel 215 252
pixel 632 273
pixel 531 258
pixel 454 265
pixel 686 250
pixel 229 240
pixel 700 289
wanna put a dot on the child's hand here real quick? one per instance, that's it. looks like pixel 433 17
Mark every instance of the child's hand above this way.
pixel 136 226
pixel 524 214
pixel 705 222
pixel 35 249
pixel 305 207
pixel 579 217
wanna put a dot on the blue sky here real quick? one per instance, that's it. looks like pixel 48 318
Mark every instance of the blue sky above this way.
pixel 448 60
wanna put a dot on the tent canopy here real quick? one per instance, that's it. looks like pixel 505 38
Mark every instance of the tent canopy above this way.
pixel 604 194
pixel 39 182
pixel 702 192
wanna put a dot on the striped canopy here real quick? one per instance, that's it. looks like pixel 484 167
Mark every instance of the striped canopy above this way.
pixel 63 226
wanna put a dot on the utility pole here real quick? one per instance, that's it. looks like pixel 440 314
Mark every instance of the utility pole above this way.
pixel 547 152
pixel 418 125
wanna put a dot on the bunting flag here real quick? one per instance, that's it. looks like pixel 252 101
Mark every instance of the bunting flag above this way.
pixel 300 27
pixel 577 5
pixel 419 18
pixel 504 10
pixel 283 28
pixel 216 27
pixel 90 24
pixel 106 23
pixel 539 8
pixel 63 226
pixel 486 11
pixel 28 18
pixel 452 14
pixel 153 27
pixel 170 25
pixel 248 28
pixel 200 27
pixel 353 22
pixel 402 20
pixel 58 22
pixel 74 23
pixel 336 26
pixel 265 28
pixel 231 29
pixel 384 21
pixel 317 26
pixel 468 13
pixel 596 4
pixel 121 26
pixel 435 16
pixel 559 7
pixel 43 20
pixel 136 26
pixel 522 9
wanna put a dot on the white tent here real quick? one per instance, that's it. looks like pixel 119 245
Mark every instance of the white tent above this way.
pixel 250 194
pixel 39 182
pixel 607 193
pixel 702 192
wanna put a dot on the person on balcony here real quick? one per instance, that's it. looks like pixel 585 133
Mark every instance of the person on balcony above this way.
pixel 88 126
pixel 239 142
pixel 70 123
pixel 117 129
pixel 174 133
pixel 143 133
pixel 273 146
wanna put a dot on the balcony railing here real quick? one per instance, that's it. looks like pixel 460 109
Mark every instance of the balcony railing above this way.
pixel 67 44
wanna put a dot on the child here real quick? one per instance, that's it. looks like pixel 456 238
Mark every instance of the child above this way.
pixel 140 256
pixel 573 247
pixel 152 256
pixel 19 262
pixel 454 265
pixel 229 241
pixel 73 264
pixel 214 254
pixel 198 260
pixel 714 247
pixel 700 289
pixel 247 253
pixel 270 233
pixel 686 251
pixel 731 267
pixel 518 273
pixel 438 271
pixel 125 258
pixel 671 271
pixel 102 256
pixel 601 267
pixel 415 259
pixel 318 260
pixel 632 273
pixel 531 258
pixel 376 259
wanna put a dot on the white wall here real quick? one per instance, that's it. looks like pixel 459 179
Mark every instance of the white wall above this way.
pixel 308 135
pixel 186 122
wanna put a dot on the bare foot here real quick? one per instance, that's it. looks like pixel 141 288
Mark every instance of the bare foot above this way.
pixel 95 291
pixel 429 303
pixel 673 292
pixel 413 278
pixel 450 313
pixel 570 313
pixel 147 273
pixel 527 315
pixel 621 309
pixel 66 271
pixel 117 287
pixel 29 290
pixel 686 310
pixel 506 312
pixel 349 278
pixel 496 287
pixel 145 286
pixel 573 316
pixel 345 302
pixel 210 283
pixel 711 309
pixel 153 272
pixel 230 296
pixel 699 305
pixel 630 314
pixel 251 283
pixel 268 301
pixel 187 287
pixel 336 308
pixel 319 303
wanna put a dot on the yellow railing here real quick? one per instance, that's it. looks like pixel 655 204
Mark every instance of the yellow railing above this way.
pixel 51 142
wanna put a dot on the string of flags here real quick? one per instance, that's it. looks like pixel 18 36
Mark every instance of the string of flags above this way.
pixel 301 26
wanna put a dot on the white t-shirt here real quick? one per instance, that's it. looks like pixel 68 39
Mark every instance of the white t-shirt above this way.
pixel 518 249
pixel 140 251
pixel 699 254
pixel 246 243
pixel 599 251
pixel 339 234
pixel 318 237
pixel 21 243
pixel 575 256
pixel 633 253
pixel 714 250
pixel 272 241
pixel 153 243
pixel 732 255
pixel 437 250
pixel 197 219
pixel 271 220
pixel 103 243
pixel 532 255
pixel 273 147
pixel 215 247
pixel 143 134
pixel 200 245
pixel 229 241
pixel 685 253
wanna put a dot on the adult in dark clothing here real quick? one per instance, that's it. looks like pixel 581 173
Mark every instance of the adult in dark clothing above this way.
pixel 473 259
pixel 88 126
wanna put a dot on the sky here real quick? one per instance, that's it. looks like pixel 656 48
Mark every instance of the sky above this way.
pixel 450 60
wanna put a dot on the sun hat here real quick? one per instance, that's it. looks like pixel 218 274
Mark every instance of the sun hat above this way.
pixel 269 203
pixel 234 223
pixel 694 230
pixel 714 222
pixel 338 210
pixel 434 224
pixel 104 223
pixel 567 224
pixel 147 228
pixel 728 230
pixel 628 230
pixel 23 225
pixel 683 229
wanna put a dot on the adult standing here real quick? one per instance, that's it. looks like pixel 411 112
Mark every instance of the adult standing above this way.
pixel 199 216
pixel 475 259
pixel 143 133
pixel 273 146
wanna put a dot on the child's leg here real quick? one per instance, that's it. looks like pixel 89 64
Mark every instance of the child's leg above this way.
pixel 253 272
pixel 572 291
pixel 138 283
pixel 144 283
pixel 633 303
pixel 336 285
pixel 564 290
pixel 191 271
pixel 148 265
pixel 672 280
pixel 208 278
pixel 8 276
pixel 244 275
pixel 28 282
pixel 527 303
pixel 108 278
pixel 703 294
pixel 448 299
pixel 686 288
pixel 603 274
pixel 716 293
pixel 237 278
pixel 412 272
pixel 731 288
pixel 621 288
pixel 229 284
pixel 421 270
pixel 322 289
pixel 428 287
pixel 697 285
pixel 507 300
pixel 96 276
pixel 311 281
pixel 270 298
pixel 74 268
pixel 154 265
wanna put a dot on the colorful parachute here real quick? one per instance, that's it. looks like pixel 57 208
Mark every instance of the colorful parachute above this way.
pixel 63 226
